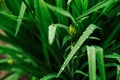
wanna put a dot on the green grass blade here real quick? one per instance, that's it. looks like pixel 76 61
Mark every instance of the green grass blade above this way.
pixel 51 33
pixel 5 60
pixel 63 12
pixel 114 56
pixel 111 35
pixel 81 72
pixel 43 20
pixel 81 40
pixel 13 76
pixel 92 62
pixel 12 53
pixel 114 11
pixel 48 77
pixel 69 1
pixel 13 8
pixel 95 8
pixel 76 8
pixel 7 40
pixel 17 54
pixel 107 8
pixel 7 21
pixel 21 14
pixel 85 6
pixel 118 72
pixel 62 26
pixel 60 4
pixel 100 60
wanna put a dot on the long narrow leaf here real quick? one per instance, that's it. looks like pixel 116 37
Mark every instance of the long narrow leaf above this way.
pixel 48 77
pixel 43 20
pixel 63 12
pixel 111 35
pixel 52 31
pixel 5 60
pixel 92 62
pixel 79 43
pixel 13 8
pixel 100 60
pixel 14 76
pixel 118 72
pixel 95 8
pixel 81 72
pixel 114 55
pixel 21 14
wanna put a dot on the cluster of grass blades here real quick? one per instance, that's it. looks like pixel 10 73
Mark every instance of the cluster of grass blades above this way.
pixel 60 39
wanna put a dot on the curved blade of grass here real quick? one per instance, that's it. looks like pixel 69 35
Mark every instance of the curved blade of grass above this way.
pixel 63 12
pixel 12 53
pixel 56 56
pixel 19 20
pixel 69 1
pixel 114 55
pixel 17 54
pixel 79 43
pixel 81 72
pixel 52 77
pixel 62 26
pixel 18 67
pixel 95 8
pixel 7 40
pixel 66 39
pixel 48 77
pixel 95 38
pixel 13 76
pixel 6 22
pixel 100 60
pixel 5 60
pixel 92 62
pixel 52 31
pixel 114 11
pixel 7 75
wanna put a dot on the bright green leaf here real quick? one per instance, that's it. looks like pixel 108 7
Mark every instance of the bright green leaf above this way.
pixel 21 14
pixel 92 62
pixel 100 60
pixel 79 43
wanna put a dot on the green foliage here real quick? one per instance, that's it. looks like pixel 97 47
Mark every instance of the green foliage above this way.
pixel 47 39
pixel 78 44
pixel 91 62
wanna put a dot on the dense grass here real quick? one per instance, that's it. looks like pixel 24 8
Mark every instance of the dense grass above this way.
pixel 60 39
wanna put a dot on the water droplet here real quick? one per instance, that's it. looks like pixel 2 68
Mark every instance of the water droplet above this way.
pixel 83 32
pixel 62 69
pixel 118 13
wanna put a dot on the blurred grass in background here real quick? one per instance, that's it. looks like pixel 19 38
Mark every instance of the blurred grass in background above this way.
pixel 60 39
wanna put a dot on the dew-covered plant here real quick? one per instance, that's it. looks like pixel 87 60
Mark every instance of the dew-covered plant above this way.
pixel 60 39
